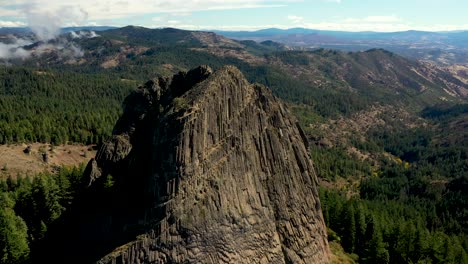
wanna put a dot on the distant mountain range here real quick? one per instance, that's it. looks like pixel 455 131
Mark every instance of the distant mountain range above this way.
pixel 382 74
pixel 443 48
pixel 410 34
pixel 456 38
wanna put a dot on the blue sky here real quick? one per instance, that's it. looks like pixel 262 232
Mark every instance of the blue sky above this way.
pixel 348 15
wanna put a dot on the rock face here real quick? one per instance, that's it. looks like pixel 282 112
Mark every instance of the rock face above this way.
pixel 209 169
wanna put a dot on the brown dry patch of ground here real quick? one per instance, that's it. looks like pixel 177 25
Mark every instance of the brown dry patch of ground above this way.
pixel 115 60
pixel 340 131
pixel 233 53
pixel 110 63
pixel 43 73
pixel 348 186
pixel 14 162
pixel 460 72
pixel 338 255
pixel 225 47
pixel 211 39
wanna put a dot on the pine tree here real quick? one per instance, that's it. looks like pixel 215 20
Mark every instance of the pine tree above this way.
pixel 374 249
pixel 13 233
pixel 348 232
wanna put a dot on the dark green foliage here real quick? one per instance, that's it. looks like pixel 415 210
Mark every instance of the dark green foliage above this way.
pixel 81 103
pixel 56 107
pixel 260 49
pixel 413 209
pixel 409 212
pixel 13 233
pixel 388 232
pixel 441 112
pixel 349 228
pixel 428 177
pixel 38 202
pixel 28 207
pixel 293 57
pixel 407 144
pixel 331 163
pixel 150 37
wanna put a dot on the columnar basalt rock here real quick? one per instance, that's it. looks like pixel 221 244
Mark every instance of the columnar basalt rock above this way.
pixel 221 171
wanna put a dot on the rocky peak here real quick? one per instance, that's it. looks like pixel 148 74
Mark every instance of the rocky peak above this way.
pixel 209 168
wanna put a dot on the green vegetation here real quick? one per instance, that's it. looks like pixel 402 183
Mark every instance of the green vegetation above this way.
pixel 81 103
pixel 13 233
pixel 55 106
pixel 444 112
pixel 380 231
pixel 415 204
pixel 332 163
pixel 29 206
pixel 407 202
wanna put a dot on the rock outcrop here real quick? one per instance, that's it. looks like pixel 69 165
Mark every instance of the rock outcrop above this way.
pixel 208 168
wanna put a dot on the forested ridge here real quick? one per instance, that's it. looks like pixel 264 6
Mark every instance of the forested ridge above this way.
pixel 409 209
pixel 57 106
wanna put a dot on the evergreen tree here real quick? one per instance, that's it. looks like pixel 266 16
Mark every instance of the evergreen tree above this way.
pixel 13 233
pixel 348 232
pixel 374 249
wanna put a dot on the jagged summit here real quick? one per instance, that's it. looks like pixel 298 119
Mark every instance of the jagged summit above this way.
pixel 208 168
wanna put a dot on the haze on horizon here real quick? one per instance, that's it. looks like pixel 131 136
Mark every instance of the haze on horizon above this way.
pixel 343 15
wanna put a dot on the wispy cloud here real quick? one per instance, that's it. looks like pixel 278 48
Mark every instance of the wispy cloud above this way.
pixel 240 27
pixel 359 26
pixel 376 19
pixel 12 23
pixel 296 19
pixel 382 19
pixel 14 49
pixel 114 9
pixel 45 23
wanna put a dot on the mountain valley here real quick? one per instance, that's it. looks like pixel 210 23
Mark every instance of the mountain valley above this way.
pixel 386 133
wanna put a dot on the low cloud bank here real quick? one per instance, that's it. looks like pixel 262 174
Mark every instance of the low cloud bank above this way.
pixel 45 26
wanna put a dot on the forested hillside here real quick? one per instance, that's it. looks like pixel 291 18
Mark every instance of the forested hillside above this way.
pixel 413 198
pixel 56 106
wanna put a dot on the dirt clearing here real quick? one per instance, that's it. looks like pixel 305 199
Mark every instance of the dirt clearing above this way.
pixel 41 157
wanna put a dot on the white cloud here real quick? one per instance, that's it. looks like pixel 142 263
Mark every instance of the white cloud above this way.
pixel 12 23
pixel 113 9
pixel 296 19
pixel 174 22
pixel 224 27
pixel 46 24
pixel 176 13
pixel 374 19
pixel 381 27
pixel 7 12
pixel 359 26
pixel 338 26
pixel 83 34
pixel 14 50
pixel 382 19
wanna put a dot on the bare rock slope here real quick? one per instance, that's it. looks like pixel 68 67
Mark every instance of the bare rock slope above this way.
pixel 212 169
